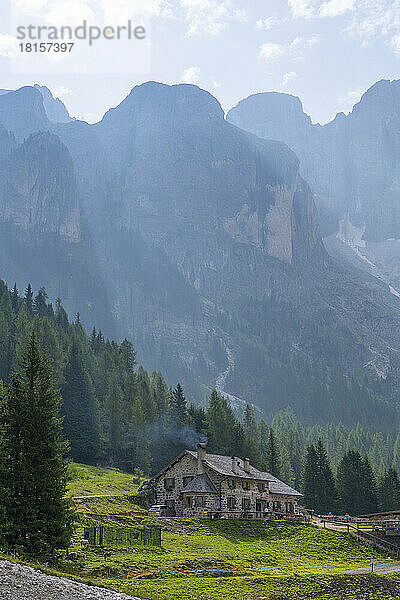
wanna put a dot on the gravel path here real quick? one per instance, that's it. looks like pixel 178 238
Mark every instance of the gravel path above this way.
pixel 19 582
pixel 389 567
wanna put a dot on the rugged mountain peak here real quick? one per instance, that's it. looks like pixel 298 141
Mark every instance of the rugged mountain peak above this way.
pixel 153 99
pixel 55 109
pixel 22 112
pixel 283 117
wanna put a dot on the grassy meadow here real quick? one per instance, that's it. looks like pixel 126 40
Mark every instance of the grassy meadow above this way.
pixel 200 559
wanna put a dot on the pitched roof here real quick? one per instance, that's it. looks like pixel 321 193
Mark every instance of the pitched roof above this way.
pixel 276 486
pixel 200 484
pixel 223 465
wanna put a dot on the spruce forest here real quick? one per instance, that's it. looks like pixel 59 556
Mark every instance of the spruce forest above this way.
pixel 116 413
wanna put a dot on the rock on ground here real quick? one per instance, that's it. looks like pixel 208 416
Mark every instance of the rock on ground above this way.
pixel 19 582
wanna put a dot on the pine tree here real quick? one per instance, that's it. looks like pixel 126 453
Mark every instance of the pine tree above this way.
pixel 15 299
pixel 128 355
pixel 356 485
pixel 80 409
pixel 179 406
pixel 370 494
pixel 40 303
pixel 310 484
pixel 34 469
pixel 28 299
pixel 389 491
pixel 114 408
pixel 326 482
pixel 61 317
pixel 249 420
pixel 273 455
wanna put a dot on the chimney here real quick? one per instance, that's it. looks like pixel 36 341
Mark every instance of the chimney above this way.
pixel 247 465
pixel 201 455
pixel 234 464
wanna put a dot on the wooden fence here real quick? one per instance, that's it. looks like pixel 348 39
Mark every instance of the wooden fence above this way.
pixel 120 536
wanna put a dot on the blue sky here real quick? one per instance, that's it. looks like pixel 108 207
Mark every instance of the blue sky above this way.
pixel 328 52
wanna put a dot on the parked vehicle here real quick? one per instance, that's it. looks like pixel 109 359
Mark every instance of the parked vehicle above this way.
pixel 158 510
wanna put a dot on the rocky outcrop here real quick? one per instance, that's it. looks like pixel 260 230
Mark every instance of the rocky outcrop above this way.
pixel 56 110
pixel 352 165
pixel 37 188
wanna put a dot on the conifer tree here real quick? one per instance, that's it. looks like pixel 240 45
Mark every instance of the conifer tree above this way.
pixel 179 405
pixel 310 485
pixel 114 407
pixel 326 481
pixel 33 467
pixel 15 299
pixel 249 420
pixel 28 299
pixel 356 485
pixel 389 491
pixel 40 303
pixel 61 317
pixel 273 457
pixel 80 409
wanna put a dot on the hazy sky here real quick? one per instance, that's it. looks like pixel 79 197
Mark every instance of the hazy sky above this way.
pixel 326 52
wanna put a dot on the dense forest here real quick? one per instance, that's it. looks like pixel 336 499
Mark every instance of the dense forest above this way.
pixel 115 413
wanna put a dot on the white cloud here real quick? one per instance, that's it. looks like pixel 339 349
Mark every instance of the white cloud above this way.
pixel 71 12
pixel 191 75
pixel 265 24
pixel 269 52
pixel 60 91
pixel 302 8
pixel 119 10
pixel 301 45
pixel 313 9
pixel 210 17
pixel 333 8
pixel 296 50
pixel 377 20
pixel 395 43
pixel 8 45
pixel 288 77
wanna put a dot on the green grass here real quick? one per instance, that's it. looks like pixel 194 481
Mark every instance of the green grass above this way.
pixel 189 544
pixel 92 481
pixel 257 560
pixel 369 587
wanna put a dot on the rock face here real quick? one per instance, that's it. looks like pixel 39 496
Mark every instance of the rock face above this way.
pixel 37 187
pixel 54 107
pixel 203 175
pixel 201 242
pixel 352 165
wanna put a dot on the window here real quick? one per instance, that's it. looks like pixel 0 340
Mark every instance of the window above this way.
pixel 261 487
pixel 187 502
pixel 170 504
pixel 231 503
pixel 246 485
pixel 231 484
pixel 246 503
pixel 199 501
pixel 169 483
pixel 276 506
pixel 187 480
